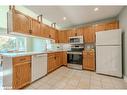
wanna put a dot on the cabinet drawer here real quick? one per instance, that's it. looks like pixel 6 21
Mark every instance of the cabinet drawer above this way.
pixel 20 59
pixel 51 54
pixel 91 53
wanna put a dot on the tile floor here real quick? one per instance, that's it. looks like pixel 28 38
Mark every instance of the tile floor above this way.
pixel 65 78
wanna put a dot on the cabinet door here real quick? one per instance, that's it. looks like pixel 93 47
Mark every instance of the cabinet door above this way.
pixel 57 36
pixel 88 60
pixel 36 28
pixel 21 74
pixel 51 63
pixel 85 62
pixel 100 27
pixel 89 34
pixel 64 58
pixel 79 31
pixel 21 22
pixel 91 61
pixel 45 31
pixel 59 59
pixel 52 33
pixel 62 36
pixel 71 33
pixel 112 25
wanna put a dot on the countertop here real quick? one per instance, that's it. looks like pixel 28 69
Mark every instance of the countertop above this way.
pixel 16 54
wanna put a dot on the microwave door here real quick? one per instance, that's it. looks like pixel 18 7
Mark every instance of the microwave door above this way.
pixel 77 40
pixel 72 40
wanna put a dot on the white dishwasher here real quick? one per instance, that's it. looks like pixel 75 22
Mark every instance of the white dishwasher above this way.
pixel 39 66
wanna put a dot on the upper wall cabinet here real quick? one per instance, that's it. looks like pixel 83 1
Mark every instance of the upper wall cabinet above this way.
pixel 35 27
pixel 62 36
pixel 89 34
pixel 52 33
pixel 112 25
pixel 18 22
pixel 79 32
pixel 106 26
pixel 48 32
pixel 44 30
pixel 71 33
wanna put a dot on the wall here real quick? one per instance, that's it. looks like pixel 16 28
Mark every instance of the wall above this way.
pixel 123 25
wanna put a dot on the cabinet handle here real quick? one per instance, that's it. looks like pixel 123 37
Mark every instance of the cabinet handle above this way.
pixel 22 59
pixel 27 62
pixel 30 31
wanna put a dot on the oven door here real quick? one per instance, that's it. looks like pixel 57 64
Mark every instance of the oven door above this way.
pixel 74 61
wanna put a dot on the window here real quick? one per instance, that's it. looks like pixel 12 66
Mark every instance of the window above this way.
pixel 21 43
pixel 12 43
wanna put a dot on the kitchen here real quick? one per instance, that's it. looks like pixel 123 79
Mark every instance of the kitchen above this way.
pixel 37 55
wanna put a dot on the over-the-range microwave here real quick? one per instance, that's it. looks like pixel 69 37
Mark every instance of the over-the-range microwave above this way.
pixel 76 40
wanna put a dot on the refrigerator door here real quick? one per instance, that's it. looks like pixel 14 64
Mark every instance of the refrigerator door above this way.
pixel 111 37
pixel 108 60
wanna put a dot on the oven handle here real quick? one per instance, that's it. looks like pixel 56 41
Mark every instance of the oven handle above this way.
pixel 74 53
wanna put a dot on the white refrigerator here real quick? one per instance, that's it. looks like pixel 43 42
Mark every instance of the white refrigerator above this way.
pixel 109 52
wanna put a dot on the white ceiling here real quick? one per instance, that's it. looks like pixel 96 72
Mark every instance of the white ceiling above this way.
pixel 75 15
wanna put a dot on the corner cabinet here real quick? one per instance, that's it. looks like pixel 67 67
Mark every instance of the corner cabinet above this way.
pixel 18 22
pixel 56 60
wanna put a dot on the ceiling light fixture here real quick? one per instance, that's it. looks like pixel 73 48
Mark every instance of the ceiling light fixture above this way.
pixel 64 18
pixel 96 9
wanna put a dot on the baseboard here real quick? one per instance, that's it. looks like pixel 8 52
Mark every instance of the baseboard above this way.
pixel 125 78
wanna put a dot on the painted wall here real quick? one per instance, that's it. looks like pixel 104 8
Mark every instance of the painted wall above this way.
pixel 3 16
pixel 123 25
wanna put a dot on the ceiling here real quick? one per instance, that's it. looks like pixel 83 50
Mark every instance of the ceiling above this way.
pixel 75 15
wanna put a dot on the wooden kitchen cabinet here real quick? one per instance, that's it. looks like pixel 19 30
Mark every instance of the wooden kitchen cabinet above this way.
pixel 89 60
pixel 106 26
pixel 56 60
pixel 21 71
pixel 100 27
pixel 71 32
pixel 64 58
pixel 45 31
pixel 51 62
pixel 62 37
pixel 112 25
pixel 79 31
pixel 89 34
pixel 52 33
pixel 20 23
pixel 35 27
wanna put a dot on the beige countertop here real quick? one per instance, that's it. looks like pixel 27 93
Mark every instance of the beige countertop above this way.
pixel 16 54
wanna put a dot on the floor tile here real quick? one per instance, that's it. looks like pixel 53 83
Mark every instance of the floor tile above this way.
pixel 69 79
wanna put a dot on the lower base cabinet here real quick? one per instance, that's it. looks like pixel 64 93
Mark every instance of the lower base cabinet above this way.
pixel 21 71
pixel 89 60
pixel 55 60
